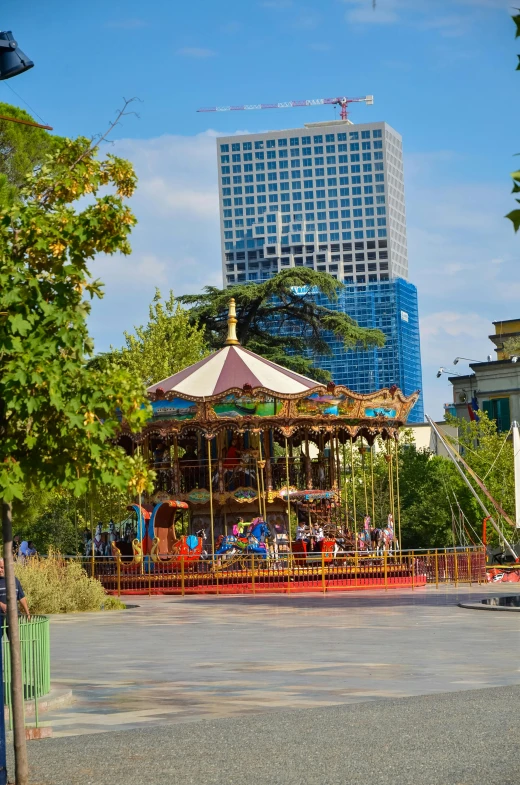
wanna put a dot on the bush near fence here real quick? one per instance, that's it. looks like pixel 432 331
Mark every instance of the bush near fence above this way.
pixel 57 585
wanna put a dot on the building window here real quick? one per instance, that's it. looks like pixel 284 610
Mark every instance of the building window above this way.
pixel 498 409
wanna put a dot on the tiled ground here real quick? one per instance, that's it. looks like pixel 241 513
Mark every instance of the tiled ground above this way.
pixel 179 659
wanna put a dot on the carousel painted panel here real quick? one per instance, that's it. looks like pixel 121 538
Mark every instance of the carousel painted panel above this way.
pixel 327 405
pixel 390 412
pixel 234 406
pixel 176 409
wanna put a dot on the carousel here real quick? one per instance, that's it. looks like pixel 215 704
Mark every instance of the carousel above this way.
pixel 254 462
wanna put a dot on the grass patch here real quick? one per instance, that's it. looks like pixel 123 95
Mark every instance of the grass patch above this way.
pixel 58 585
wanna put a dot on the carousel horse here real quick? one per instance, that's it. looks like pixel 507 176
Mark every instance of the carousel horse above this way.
pixel 97 545
pixel 112 534
pixel 376 536
pixel 253 542
pixel 388 535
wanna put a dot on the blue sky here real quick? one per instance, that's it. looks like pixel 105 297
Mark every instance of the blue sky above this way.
pixel 442 74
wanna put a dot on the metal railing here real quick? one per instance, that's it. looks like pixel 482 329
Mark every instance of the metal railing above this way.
pixel 289 572
pixel 36 662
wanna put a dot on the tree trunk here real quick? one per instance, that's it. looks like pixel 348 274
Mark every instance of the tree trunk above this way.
pixel 20 747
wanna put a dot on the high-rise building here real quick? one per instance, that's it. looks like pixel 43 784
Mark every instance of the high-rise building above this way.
pixel 329 196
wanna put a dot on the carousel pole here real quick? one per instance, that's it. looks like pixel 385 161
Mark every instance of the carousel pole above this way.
pixel 338 472
pixel 345 481
pixel 362 451
pixel 261 464
pixel 390 481
pixel 353 491
pixel 211 516
pixel 372 485
pixel 288 499
pixel 398 492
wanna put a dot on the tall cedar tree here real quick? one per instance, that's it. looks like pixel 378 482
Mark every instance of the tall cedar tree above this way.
pixel 280 321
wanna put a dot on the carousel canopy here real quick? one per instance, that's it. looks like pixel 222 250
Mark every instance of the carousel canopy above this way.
pixel 233 367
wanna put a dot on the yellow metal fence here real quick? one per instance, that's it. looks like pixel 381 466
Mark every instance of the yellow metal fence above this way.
pixel 288 572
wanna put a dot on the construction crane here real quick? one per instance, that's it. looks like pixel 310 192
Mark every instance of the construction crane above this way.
pixel 343 102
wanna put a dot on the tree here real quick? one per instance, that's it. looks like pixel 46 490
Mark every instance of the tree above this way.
pixel 514 215
pixel 167 344
pixel 22 147
pixel 490 455
pixel 431 500
pixel 58 417
pixel 280 319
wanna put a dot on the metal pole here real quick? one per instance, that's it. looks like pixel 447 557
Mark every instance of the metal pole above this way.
pixel 345 482
pixel 516 462
pixel 91 537
pixel 372 485
pixel 261 484
pixel 211 518
pixel 398 493
pixel 353 491
pixel 17 702
pixel 455 461
pixel 288 500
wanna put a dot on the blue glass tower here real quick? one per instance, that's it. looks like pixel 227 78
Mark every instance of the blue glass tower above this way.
pixel 391 307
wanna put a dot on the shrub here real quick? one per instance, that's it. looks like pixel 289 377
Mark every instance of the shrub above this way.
pixel 58 585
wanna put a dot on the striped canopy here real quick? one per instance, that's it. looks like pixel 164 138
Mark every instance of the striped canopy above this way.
pixel 233 367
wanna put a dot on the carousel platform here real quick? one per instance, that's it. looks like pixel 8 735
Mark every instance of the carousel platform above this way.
pixel 265 580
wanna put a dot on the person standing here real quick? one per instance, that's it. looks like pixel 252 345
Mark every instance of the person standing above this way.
pixel 16 545
pixel 20 597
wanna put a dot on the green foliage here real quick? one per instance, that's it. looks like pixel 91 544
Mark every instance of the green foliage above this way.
pixel 167 344
pixel 512 346
pixel 490 455
pixel 22 147
pixel 514 215
pixel 431 494
pixel 263 309
pixel 58 417
pixel 57 585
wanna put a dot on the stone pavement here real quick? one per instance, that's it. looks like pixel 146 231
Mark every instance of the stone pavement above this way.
pixel 175 660
pixel 454 738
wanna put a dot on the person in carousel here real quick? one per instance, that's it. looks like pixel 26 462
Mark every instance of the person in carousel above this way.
pixel 365 536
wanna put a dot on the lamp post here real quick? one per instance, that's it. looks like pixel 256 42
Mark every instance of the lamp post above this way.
pixel 447 370
pixel 488 360
pixel 12 60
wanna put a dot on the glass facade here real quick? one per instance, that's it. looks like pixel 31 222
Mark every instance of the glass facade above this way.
pixel 391 307
pixel 329 196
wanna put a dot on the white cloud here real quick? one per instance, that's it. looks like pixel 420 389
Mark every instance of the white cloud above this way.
pixel 423 14
pixel 176 243
pixel 195 51
pixel 464 260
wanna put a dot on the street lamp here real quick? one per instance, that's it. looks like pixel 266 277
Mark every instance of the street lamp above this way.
pixel 446 370
pixel 12 60
pixel 455 361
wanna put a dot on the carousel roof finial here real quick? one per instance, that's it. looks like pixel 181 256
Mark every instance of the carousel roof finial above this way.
pixel 232 339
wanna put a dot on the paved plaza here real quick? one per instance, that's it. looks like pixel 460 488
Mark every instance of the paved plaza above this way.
pixel 173 659
pixel 374 688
